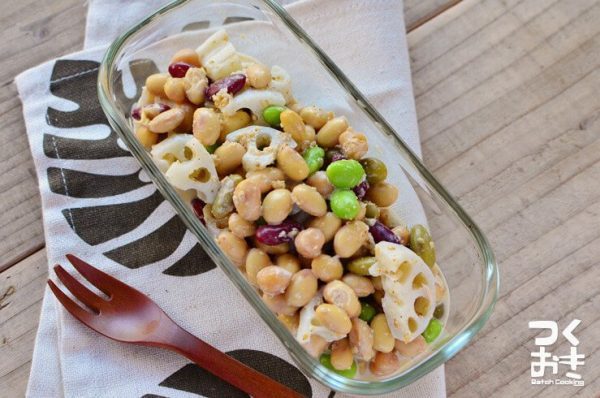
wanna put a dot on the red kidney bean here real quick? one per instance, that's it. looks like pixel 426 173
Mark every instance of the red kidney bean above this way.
pixel 179 69
pixel 198 206
pixel 361 189
pixel 232 84
pixel 276 234
pixel 382 233
pixel 136 113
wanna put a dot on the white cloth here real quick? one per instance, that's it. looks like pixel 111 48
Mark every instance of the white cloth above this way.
pixel 70 360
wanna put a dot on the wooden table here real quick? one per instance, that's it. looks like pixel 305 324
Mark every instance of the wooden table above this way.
pixel 508 98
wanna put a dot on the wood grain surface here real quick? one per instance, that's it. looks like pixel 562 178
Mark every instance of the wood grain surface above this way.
pixel 507 94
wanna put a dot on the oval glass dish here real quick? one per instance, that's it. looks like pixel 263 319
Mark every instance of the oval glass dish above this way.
pixel 263 29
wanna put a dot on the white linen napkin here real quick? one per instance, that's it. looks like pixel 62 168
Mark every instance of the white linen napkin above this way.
pixel 87 182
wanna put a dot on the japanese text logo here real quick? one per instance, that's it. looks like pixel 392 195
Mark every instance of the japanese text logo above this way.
pixel 545 365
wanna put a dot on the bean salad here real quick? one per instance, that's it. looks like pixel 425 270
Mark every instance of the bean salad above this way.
pixel 295 202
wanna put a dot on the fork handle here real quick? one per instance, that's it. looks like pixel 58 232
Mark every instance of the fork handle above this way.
pixel 227 368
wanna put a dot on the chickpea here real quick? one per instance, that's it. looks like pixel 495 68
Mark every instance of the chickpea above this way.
pixel 146 137
pixel 338 293
pixel 383 340
pixel 361 285
pixel 289 262
pixel 302 288
pixel 256 260
pixel 206 126
pixel 361 340
pixel 156 84
pixel 310 136
pixel 259 76
pixel 309 242
pixel 354 144
pixel 384 364
pixel 316 345
pixel 341 354
pixel 228 157
pixel 247 198
pixel 382 194
pixel 235 248
pixel 277 205
pixel 309 200
pixel 281 248
pixel 292 164
pixel 314 116
pixel 292 124
pixel 333 318
pixel 350 238
pixel 329 134
pixel 321 183
pixel 273 279
pixel 362 211
pixel 265 178
pixel 240 227
pixel 234 122
pixel 195 83
pixel 412 349
pixel 403 233
pixel 175 89
pixel 186 55
pixel 278 304
pixel 327 268
pixel 290 322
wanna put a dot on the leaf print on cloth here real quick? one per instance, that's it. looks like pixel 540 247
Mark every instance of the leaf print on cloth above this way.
pixel 195 380
pixel 94 219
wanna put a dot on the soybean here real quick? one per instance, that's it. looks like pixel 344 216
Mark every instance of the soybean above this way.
pixel 344 204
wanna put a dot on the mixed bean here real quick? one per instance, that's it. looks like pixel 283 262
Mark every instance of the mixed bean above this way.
pixel 296 203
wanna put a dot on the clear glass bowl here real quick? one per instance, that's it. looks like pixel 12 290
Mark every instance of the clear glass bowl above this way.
pixel 263 29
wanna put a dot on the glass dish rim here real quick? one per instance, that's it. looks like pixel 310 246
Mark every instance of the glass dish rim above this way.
pixel 308 364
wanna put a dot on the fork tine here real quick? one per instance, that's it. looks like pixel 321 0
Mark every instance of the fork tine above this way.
pixel 71 306
pixel 81 293
pixel 101 280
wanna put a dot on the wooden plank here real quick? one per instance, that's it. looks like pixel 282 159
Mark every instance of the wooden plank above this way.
pixel 21 289
pixel 43 30
pixel 510 122
pixel 418 12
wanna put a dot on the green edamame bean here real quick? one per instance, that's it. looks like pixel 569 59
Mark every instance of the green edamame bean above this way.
pixel 375 169
pixel 344 204
pixel 421 243
pixel 349 373
pixel 372 211
pixel 212 148
pixel 360 266
pixel 223 204
pixel 345 174
pixel 314 158
pixel 439 311
pixel 433 330
pixel 272 114
pixel 367 312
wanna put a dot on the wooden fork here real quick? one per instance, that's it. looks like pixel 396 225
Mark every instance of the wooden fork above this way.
pixel 131 317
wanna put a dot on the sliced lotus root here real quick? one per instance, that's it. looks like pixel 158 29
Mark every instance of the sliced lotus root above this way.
pixel 409 287
pixel 262 144
pixel 308 326
pixel 218 56
pixel 255 100
pixel 188 165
